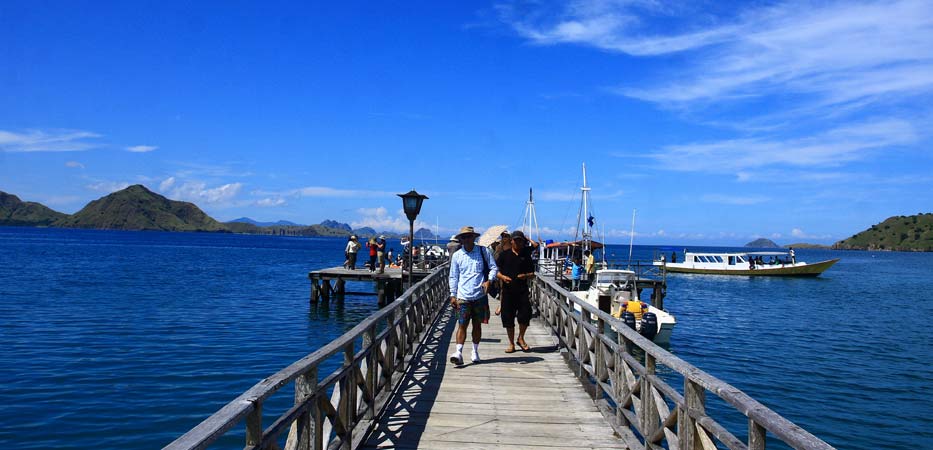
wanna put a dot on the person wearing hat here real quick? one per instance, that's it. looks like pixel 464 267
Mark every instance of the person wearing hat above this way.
pixel 381 253
pixel 452 246
pixel 471 268
pixel 353 246
pixel 515 269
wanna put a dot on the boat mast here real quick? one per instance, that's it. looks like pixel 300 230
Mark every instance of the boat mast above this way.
pixel 587 232
pixel 530 218
pixel 631 240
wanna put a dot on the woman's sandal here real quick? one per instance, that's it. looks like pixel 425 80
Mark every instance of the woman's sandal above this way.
pixel 511 349
pixel 524 346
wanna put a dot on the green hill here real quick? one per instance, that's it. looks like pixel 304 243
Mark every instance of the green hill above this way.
pixel 138 208
pixel 898 233
pixel 14 211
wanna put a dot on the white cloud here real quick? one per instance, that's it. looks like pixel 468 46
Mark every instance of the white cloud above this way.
pixel 108 186
pixel 197 192
pixel 320 191
pixel 838 51
pixel 47 141
pixel 271 202
pixel 141 148
pixel 74 164
pixel 166 184
pixel 734 199
pixel 379 219
pixel 778 71
pixel 574 194
pixel 830 148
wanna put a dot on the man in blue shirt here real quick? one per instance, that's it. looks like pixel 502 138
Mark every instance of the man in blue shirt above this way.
pixel 471 268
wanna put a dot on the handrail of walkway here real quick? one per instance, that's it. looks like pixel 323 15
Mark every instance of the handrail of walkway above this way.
pixel 362 386
pixel 626 386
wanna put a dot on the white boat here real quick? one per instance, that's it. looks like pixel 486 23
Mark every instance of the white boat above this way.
pixel 616 292
pixel 744 263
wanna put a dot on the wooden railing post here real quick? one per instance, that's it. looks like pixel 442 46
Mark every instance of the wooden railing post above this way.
pixel 649 410
pixel 348 398
pixel 317 416
pixel 299 436
pixel 695 402
pixel 254 425
pixel 369 339
pixel 621 378
pixel 756 436
pixel 599 361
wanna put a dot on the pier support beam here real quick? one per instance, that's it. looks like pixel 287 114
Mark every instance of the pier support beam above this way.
pixel 315 290
pixel 341 287
pixel 325 289
pixel 657 296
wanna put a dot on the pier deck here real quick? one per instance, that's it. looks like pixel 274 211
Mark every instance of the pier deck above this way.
pixel 506 401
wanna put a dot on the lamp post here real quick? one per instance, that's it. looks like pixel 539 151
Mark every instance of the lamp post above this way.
pixel 411 203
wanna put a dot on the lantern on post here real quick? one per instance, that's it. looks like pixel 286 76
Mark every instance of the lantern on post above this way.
pixel 411 203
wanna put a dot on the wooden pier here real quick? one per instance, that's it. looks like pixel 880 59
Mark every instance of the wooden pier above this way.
pixel 590 382
pixel 332 282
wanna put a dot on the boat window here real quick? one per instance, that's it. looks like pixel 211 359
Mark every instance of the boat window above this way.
pixel 718 258
pixel 741 259
pixel 704 258
pixel 732 260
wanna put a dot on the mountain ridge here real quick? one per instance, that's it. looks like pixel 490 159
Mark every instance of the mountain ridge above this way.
pixel 15 212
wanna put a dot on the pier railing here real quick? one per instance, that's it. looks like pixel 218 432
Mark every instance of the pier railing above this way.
pixel 360 387
pixel 620 371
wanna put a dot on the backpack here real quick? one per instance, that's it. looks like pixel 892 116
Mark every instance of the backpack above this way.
pixel 494 285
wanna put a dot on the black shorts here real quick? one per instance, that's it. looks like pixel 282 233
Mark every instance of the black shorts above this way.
pixel 515 305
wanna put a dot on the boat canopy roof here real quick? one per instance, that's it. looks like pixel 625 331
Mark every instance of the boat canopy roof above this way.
pixel 565 244
pixel 738 253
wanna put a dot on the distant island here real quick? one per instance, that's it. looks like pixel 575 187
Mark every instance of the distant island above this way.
pixel 762 243
pixel 898 233
pixel 139 209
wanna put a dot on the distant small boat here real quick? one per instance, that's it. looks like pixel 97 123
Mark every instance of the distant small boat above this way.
pixel 747 263
pixel 616 292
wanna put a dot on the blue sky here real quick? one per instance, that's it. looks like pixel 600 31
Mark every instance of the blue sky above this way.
pixel 718 121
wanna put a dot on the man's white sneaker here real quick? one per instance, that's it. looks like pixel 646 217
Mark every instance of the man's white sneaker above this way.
pixel 457 358
pixel 475 357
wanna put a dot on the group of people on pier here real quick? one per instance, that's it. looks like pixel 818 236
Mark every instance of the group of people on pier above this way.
pixel 379 253
pixel 475 272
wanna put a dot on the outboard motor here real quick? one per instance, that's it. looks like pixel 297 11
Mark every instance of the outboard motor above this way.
pixel 629 319
pixel 649 326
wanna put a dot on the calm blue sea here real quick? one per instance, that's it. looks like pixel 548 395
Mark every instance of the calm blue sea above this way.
pixel 128 339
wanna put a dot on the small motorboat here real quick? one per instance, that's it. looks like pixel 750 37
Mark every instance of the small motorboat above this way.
pixel 616 292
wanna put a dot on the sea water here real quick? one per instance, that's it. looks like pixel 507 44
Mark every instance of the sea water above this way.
pixel 128 339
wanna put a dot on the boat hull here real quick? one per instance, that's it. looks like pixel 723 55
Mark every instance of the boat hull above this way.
pixel 666 321
pixel 805 270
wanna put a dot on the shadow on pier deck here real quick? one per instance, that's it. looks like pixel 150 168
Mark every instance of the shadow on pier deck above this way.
pixel 591 382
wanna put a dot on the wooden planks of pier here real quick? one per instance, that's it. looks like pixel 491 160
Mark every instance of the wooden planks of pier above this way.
pixel 507 401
